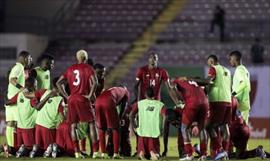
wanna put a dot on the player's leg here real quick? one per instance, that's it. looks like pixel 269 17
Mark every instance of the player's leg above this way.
pixel 187 119
pixel 74 104
pixel 141 148
pixel 109 145
pixel 39 142
pixel 11 123
pixel 94 137
pixel 202 119
pixel 112 121
pixel 154 148
pixel 225 128
pixel 213 127
pixel 125 146
pixel 102 127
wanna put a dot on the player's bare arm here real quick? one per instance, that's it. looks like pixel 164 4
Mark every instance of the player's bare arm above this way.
pixel 40 104
pixel 137 89
pixel 14 82
pixel 132 120
pixel 166 129
pixel 94 81
pixel 60 85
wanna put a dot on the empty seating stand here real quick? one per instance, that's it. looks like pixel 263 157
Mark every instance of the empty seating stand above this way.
pixel 245 19
pixel 113 20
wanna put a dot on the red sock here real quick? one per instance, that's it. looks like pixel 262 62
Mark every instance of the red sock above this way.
pixel 115 141
pixel 83 144
pixel 216 146
pixel 203 148
pixel 188 149
pixel 76 145
pixel 102 143
pixel 225 145
pixel 96 146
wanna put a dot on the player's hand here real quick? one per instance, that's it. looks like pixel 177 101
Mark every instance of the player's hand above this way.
pixel 164 154
pixel 85 96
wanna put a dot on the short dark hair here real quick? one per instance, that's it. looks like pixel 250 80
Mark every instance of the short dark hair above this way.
pixel 90 61
pixel 237 54
pixel 55 79
pixel 99 66
pixel 150 92
pixel 24 54
pixel 214 57
pixel 45 57
pixel 30 80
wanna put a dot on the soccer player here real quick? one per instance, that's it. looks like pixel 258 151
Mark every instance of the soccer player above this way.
pixel 241 84
pixel 173 117
pixel 107 116
pixel 195 109
pixel 150 112
pixel 26 117
pixel 82 82
pixel 100 71
pixel 151 76
pixel 47 120
pixel 42 72
pixel 16 78
pixel 219 96
pixel 240 134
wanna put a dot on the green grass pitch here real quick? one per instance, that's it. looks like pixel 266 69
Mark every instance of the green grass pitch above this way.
pixel 172 151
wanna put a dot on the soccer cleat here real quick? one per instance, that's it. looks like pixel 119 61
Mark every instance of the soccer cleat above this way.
pixel 154 156
pixel 197 149
pixel 202 158
pixel 6 151
pixel 54 150
pixel 117 156
pixel 33 153
pixel 78 155
pixel 141 156
pixel 48 151
pixel 104 156
pixel 222 155
pixel 186 157
pixel 21 151
pixel 84 153
pixel 260 152
pixel 95 155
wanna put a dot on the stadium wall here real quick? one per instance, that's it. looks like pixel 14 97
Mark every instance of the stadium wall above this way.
pixel 32 43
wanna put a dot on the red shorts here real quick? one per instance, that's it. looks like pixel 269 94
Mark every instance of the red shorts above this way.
pixel 63 138
pixel 44 136
pixel 147 144
pixel 220 113
pixel 195 113
pixel 79 109
pixel 239 135
pixel 26 137
pixel 106 114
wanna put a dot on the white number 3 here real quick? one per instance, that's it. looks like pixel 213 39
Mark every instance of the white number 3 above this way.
pixel 77 78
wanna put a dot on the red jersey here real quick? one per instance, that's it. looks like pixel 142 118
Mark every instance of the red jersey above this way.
pixel 191 92
pixel 151 78
pixel 78 77
pixel 116 94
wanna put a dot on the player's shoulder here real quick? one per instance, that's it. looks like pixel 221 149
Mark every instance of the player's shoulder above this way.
pixel 18 66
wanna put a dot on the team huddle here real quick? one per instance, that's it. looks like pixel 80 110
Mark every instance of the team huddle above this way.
pixel 55 117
